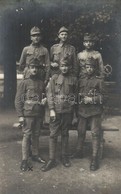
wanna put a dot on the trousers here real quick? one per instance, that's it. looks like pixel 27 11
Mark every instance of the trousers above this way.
pixel 31 133
pixel 60 126
pixel 94 122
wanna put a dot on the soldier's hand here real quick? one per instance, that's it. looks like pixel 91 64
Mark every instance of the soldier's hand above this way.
pixel 52 115
pixel 21 120
pixel 48 84
pixel 87 100
pixel 44 100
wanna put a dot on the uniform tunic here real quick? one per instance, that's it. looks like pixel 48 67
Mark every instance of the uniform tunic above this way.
pixel 84 55
pixel 90 113
pixel 29 96
pixel 40 53
pixel 62 93
pixel 27 103
pixel 58 52
pixel 61 97
pixel 91 87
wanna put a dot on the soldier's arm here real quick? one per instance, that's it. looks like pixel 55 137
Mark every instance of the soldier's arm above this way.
pixel 103 90
pixel 19 99
pixel 78 65
pixel 101 65
pixel 22 61
pixel 51 54
pixel 99 95
pixel 44 98
pixel 75 64
pixel 76 91
pixel 47 63
pixel 52 61
pixel 51 93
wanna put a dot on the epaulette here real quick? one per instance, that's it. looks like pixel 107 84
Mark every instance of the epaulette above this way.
pixel 26 47
pixel 96 52
pixel 26 78
pixel 81 53
pixel 82 76
pixel 55 76
pixel 55 45
pixel 99 77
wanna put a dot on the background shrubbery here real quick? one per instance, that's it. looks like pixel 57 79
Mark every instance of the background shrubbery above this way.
pixel 100 17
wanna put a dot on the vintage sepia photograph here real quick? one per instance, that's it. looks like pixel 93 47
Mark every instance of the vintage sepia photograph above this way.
pixel 60 96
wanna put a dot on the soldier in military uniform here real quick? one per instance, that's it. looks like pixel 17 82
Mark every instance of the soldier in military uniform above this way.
pixel 89 41
pixel 63 50
pixel 36 51
pixel 90 108
pixel 61 98
pixel 29 103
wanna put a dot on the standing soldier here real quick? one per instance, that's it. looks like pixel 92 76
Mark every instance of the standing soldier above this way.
pixel 88 43
pixel 61 99
pixel 35 51
pixel 29 106
pixel 90 109
pixel 63 50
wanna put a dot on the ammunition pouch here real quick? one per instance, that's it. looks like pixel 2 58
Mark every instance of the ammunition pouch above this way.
pixel 33 106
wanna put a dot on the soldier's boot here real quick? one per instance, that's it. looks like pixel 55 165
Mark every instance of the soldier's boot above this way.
pixel 52 152
pixel 78 154
pixel 25 148
pixel 79 150
pixel 24 165
pixel 50 164
pixel 30 148
pixel 65 158
pixel 38 159
pixel 95 146
pixel 94 165
pixel 35 150
pixel 65 161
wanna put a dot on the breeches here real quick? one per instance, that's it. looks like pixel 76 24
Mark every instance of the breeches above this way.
pixel 31 133
pixel 61 125
pixel 94 122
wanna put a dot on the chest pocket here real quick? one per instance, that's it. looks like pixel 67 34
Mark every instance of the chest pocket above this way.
pixel 30 92
pixel 34 93
pixel 57 88
pixel 81 89
pixel 41 58
pixel 30 52
pixel 68 54
pixel 70 88
pixel 56 56
pixel 34 108
pixel 30 56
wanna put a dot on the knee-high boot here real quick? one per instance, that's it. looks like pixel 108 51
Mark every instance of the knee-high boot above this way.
pixel 52 148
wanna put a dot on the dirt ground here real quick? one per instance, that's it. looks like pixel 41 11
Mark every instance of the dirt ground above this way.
pixel 74 180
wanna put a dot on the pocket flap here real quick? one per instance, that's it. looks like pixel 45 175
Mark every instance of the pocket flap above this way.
pixel 28 106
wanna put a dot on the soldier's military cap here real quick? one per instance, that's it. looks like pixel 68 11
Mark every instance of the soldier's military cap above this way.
pixel 34 62
pixel 64 61
pixel 63 29
pixel 35 30
pixel 89 37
